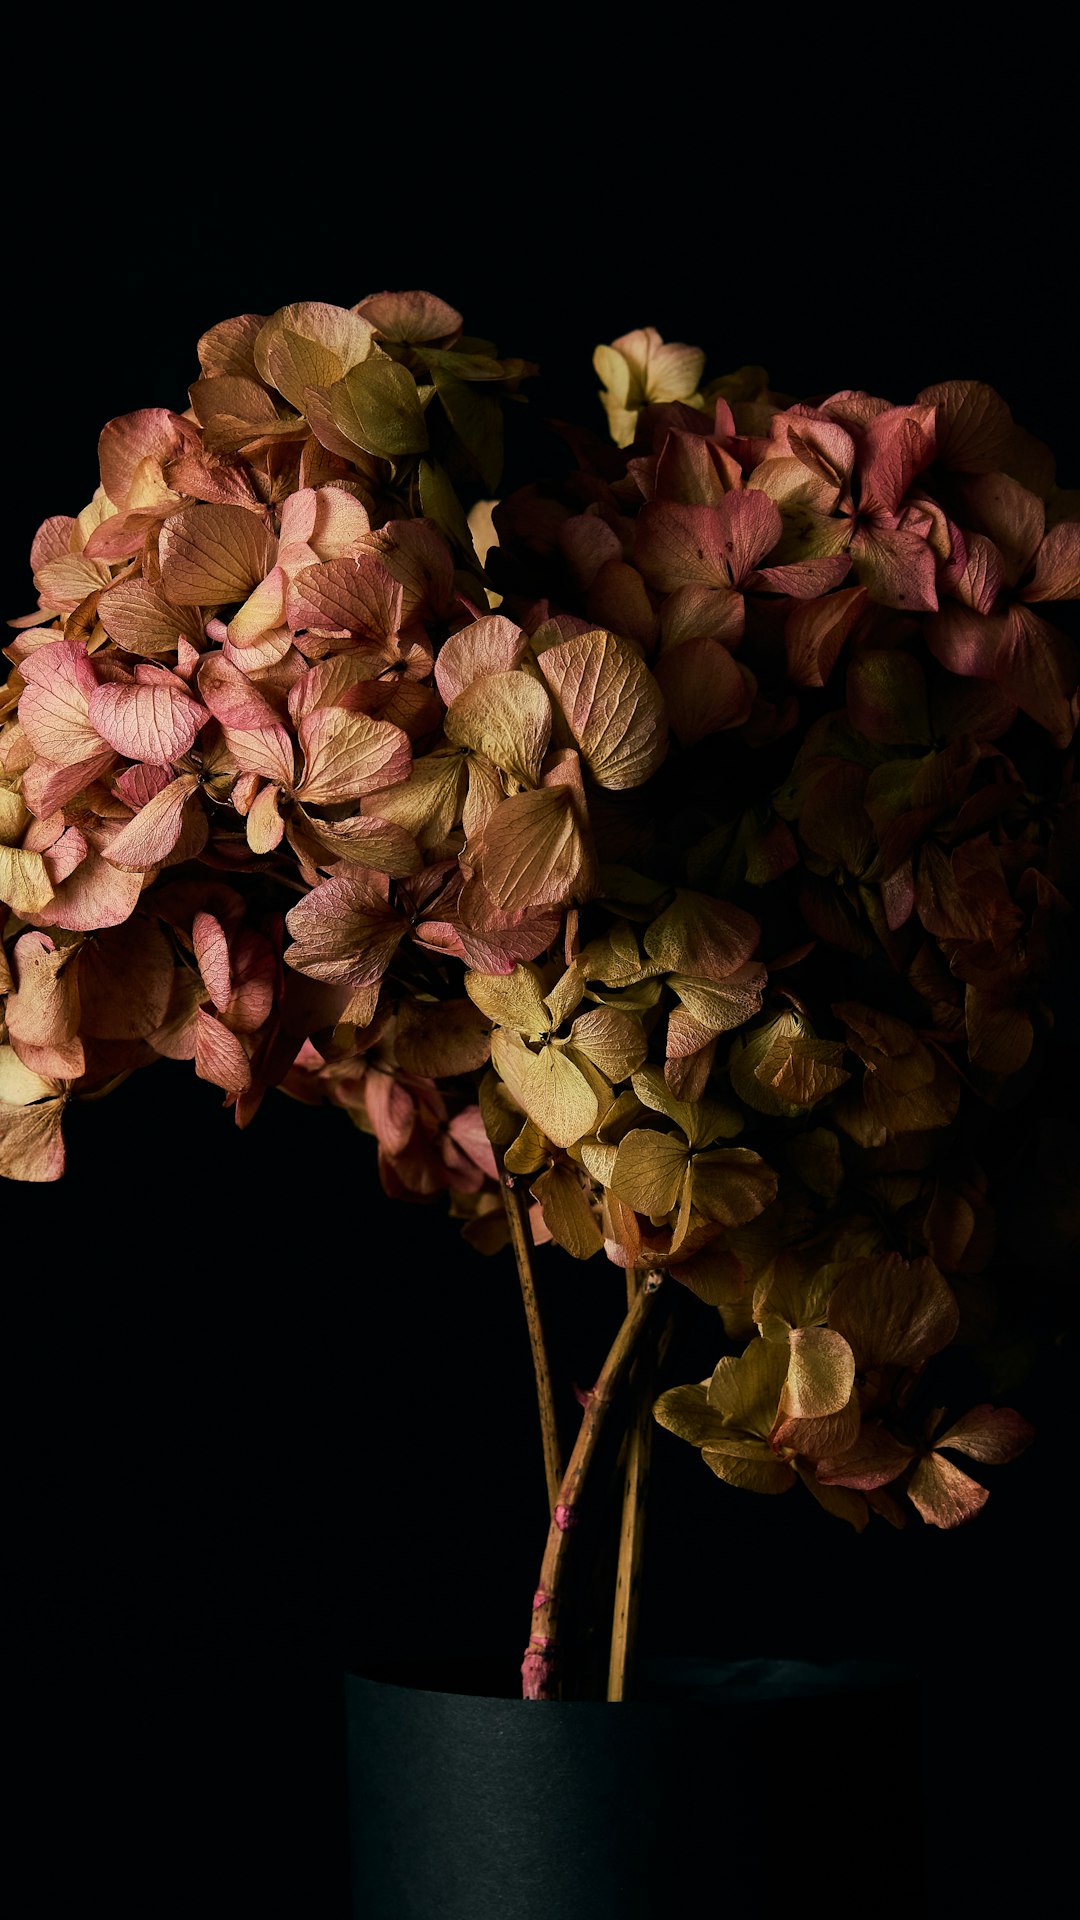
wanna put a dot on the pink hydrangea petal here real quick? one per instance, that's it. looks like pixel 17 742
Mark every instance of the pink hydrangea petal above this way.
pixel 54 709
pixel 219 1055
pixel 95 894
pixel 896 446
pixel 232 698
pixel 156 723
pixel 357 596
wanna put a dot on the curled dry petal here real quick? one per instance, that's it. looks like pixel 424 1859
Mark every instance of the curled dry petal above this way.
pixel 211 945
pixel 875 1458
pixel 232 697
pixel 153 435
pixel 897 567
pixel 1057 565
pixel 732 1185
pixel 441 1037
pixel 44 1009
pixel 567 1214
pixel 25 883
pixel 411 318
pixel 613 1040
pixel 1013 517
pixel 31 1141
pixel 708 939
pixel 254 971
pixel 896 446
pixel 640 369
pixel 141 620
pixel 428 804
pixel 154 833
pixel 265 827
pixel 515 1000
pixel 94 894
pixel 364 840
pixel 746 1389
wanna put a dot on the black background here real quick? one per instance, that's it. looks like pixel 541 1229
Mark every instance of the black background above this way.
pixel 269 1424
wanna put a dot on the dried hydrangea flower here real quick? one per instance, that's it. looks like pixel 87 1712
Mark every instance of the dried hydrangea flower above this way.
pixel 690 848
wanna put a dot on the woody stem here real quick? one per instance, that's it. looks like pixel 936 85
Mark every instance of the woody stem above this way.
pixel 635 1491
pixel 549 1433
pixel 541 1667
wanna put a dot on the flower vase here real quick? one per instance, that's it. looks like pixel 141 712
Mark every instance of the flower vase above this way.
pixel 762 1785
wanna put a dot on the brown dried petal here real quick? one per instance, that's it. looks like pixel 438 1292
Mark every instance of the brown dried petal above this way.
pixel 893 1312
pixel 31 1143
pixel 213 556
pixel 344 931
pixel 611 704
pixel 219 1055
pixel 126 981
pixel 943 1495
pixel 441 1037
pixel 991 1434
pixel 732 1185
pixel 139 618
pixel 531 853
pixel 708 939
pixel 349 754
pixel 567 1214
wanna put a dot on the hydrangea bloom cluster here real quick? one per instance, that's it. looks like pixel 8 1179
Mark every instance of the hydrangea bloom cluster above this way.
pixel 714 887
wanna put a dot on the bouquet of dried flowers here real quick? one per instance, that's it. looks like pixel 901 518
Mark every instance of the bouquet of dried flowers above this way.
pixel 672 862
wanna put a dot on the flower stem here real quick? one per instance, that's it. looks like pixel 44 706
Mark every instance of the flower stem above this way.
pixel 541 1667
pixel 635 1492
pixel 549 1432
